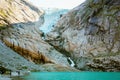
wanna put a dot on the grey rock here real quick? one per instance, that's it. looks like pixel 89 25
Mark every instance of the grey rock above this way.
pixel 13 61
pixel 95 34
pixel 22 35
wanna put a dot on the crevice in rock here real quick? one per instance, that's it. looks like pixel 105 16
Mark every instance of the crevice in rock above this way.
pixel 65 53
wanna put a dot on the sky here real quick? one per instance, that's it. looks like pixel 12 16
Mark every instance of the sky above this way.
pixel 64 4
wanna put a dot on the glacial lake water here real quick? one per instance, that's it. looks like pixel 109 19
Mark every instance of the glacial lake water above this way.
pixel 72 76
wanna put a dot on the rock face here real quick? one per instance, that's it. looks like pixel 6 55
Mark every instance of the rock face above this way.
pixel 19 30
pixel 90 35
pixel 12 61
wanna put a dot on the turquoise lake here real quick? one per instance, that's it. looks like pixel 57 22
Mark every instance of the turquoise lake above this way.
pixel 73 76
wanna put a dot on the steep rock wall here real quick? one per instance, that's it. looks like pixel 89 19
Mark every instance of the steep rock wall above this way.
pixel 20 22
pixel 90 35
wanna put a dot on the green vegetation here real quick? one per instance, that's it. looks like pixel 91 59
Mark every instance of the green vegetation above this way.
pixel 35 70
pixel 24 67
pixel 3 13
pixel 1 25
pixel 3 18
pixel 3 70
pixel 107 54
pixel 86 15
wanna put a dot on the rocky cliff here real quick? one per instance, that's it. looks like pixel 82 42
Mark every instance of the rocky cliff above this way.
pixel 19 30
pixel 10 60
pixel 90 35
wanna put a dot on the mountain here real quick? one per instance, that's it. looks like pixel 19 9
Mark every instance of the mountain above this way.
pixel 90 35
pixel 21 43
pixel 14 14
pixel 87 36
